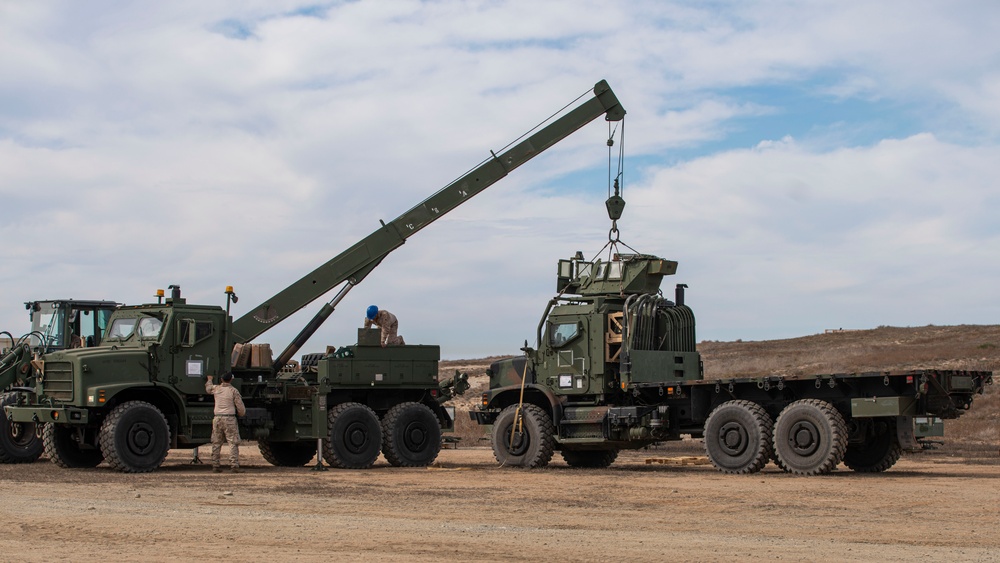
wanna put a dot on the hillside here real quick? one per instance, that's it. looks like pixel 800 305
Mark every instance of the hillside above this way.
pixel 965 347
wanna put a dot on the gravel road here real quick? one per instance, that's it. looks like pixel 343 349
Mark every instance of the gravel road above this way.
pixel 927 508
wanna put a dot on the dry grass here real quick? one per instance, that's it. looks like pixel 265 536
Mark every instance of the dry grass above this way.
pixel 881 349
pixel 965 347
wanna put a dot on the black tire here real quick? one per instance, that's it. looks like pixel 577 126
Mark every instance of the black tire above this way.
pixel 287 454
pixel 18 442
pixel 63 450
pixel 411 435
pixel 135 437
pixel 880 451
pixel 777 461
pixel 810 437
pixel 532 447
pixel 738 437
pixel 354 437
pixel 589 458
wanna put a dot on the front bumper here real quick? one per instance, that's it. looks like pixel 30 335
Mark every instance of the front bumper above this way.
pixel 39 414
pixel 485 416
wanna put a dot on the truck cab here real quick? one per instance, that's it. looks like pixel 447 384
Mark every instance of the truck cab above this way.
pixel 147 368
pixel 56 324
pixel 59 324
pixel 607 333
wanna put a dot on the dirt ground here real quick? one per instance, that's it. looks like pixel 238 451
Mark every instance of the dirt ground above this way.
pixel 929 507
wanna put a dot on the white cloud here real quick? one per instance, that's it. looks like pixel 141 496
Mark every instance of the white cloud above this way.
pixel 784 239
pixel 246 143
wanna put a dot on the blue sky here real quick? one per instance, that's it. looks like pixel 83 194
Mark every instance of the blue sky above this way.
pixel 810 165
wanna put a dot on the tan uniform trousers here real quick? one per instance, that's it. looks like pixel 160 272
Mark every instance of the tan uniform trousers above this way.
pixel 225 429
pixel 389 336
pixel 389 325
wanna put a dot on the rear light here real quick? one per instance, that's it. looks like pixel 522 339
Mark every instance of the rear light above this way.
pixel 909 379
pixel 434 392
pixel 54 415
pixel 486 399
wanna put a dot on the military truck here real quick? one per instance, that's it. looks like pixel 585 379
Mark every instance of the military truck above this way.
pixel 56 324
pixel 616 367
pixel 141 392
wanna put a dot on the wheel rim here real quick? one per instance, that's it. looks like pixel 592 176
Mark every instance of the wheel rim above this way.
pixel 415 437
pixel 356 437
pixel 518 445
pixel 733 438
pixel 22 433
pixel 141 438
pixel 803 438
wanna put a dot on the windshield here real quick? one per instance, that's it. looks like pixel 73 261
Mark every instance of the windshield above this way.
pixel 121 328
pixel 149 327
pixel 144 328
pixel 48 321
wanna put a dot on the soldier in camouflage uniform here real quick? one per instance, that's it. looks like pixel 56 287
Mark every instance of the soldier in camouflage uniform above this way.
pixel 387 322
pixel 228 405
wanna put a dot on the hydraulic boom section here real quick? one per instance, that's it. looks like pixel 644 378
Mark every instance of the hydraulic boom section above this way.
pixel 355 263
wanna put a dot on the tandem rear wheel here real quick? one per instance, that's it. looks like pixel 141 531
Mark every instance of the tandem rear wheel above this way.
pixel 411 435
pixel 879 448
pixel 738 437
pixel 354 436
pixel 287 454
pixel 810 437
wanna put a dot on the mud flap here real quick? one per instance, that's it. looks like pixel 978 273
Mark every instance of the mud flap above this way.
pixel 904 431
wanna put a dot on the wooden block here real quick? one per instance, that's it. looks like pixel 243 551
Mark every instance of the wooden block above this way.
pixel 683 460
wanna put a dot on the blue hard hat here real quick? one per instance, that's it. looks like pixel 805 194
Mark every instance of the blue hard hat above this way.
pixel 372 311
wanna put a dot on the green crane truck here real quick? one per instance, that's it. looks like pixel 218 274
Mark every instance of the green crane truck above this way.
pixel 616 368
pixel 56 324
pixel 141 391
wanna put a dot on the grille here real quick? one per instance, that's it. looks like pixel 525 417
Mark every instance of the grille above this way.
pixel 58 382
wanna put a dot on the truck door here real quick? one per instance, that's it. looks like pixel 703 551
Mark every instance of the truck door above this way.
pixel 197 339
pixel 568 339
pixel 89 324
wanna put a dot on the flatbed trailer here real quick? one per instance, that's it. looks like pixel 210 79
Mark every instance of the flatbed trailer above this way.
pixel 617 368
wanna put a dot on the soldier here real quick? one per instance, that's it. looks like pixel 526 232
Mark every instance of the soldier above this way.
pixel 228 405
pixel 387 322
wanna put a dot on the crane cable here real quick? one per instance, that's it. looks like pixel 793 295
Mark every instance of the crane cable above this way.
pixel 616 182
pixel 620 173
pixel 613 240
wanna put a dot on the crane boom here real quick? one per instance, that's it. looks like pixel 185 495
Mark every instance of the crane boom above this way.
pixel 359 260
